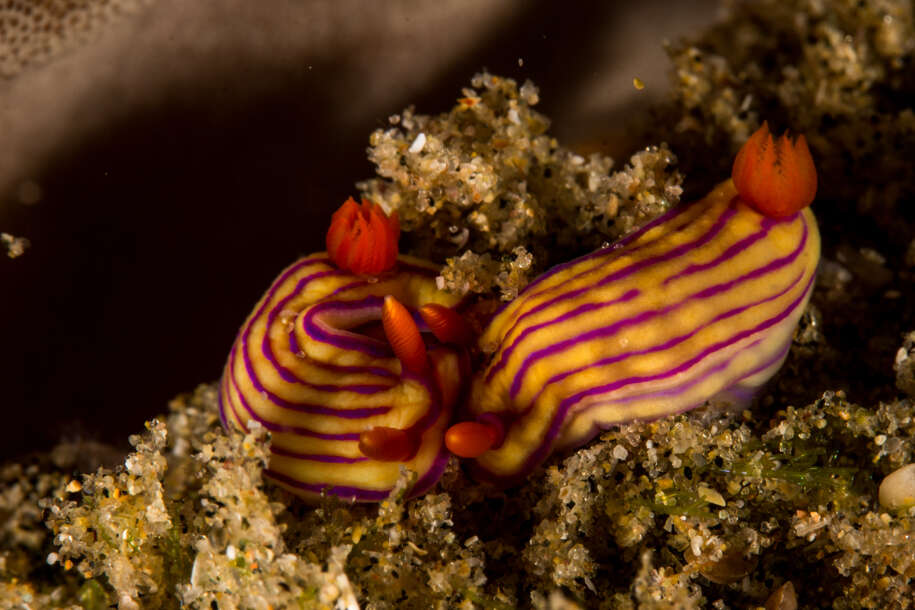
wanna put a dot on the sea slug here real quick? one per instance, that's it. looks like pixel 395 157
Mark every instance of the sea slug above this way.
pixel 333 363
pixel 701 303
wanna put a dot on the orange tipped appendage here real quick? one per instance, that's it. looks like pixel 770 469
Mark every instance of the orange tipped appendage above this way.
pixel 403 335
pixel 363 239
pixel 447 325
pixel 776 177
pixel 471 439
pixel 386 444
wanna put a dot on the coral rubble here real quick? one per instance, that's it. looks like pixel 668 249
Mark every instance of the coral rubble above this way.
pixel 486 187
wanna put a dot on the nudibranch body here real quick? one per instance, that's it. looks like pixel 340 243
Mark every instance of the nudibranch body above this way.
pixel 702 302
pixel 329 362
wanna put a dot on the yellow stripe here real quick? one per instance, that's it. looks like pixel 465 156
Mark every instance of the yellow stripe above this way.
pixel 525 435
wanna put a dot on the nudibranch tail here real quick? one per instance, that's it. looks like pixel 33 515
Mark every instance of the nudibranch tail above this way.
pixel 700 303
pixel 312 365
pixel 363 239
pixel 776 177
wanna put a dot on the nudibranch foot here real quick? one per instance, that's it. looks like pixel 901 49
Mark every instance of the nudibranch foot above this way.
pixel 701 302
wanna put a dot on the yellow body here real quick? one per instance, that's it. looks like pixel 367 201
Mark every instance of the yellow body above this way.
pixel 317 399
pixel 699 303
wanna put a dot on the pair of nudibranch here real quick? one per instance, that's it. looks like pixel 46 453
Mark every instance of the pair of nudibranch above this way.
pixel 359 365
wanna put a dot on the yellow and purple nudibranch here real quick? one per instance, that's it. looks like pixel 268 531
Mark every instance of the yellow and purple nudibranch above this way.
pixel 332 362
pixel 355 361
pixel 698 304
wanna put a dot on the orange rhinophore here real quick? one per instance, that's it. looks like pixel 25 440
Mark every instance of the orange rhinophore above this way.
pixel 471 439
pixel 363 239
pixel 776 177
pixel 403 335
pixel 387 444
pixel 447 325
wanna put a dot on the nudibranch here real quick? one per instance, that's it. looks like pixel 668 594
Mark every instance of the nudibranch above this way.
pixel 700 303
pixel 353 361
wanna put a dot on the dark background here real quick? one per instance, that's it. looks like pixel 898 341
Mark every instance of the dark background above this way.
pixel 184 158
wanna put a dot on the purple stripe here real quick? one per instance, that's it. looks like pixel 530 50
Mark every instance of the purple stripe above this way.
pixel 729 253
pixel 343 491
pixel 546 444
pixel 669 215
pixel 434 408
pixel 268 354
pixel 339 368
pixel 307 323
pixel 274 312
pixel 221 404
pixel 430 416
pixel 299 407
pixel 284 428
pixel 277 284
pixel 781 354
pixel 318 330
pixel 506 353
pixel 314 326
pixel 346 287
pixel 636 266
pixel 570 401
pixel 666 345
pixel 606 331
pixel 424 422
pixel 302 431
pixel 316 457
pixel 281 281
pixel 401 269
pixel 266 348
pixel 679 389
pixel 423 484
pixel 433 474
pixel 420 425
pixel 614 249
pixel 672 342
pixel 224 391
pixel 731 387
